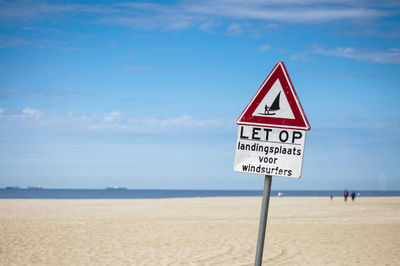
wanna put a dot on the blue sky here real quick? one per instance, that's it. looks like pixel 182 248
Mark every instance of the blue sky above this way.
pixel 146 94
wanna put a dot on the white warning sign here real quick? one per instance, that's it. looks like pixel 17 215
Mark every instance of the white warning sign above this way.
pixel 270 151
pixel 274 104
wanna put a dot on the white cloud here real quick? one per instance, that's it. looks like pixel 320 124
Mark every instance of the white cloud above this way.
pixel 28 112
pixel 300 57
pixel 115 122
pixel 112 116
pixel 235 29
pixel 202 14
pixel 389 56
pixel 26 93
pixel 287 11
pixel 10 41
pixel 135 68
pixel 2 110
pixel 264 48
pixel 342 122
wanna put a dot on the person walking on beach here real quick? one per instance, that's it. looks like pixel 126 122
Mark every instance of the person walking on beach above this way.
pixel 353 195
pixel 346 194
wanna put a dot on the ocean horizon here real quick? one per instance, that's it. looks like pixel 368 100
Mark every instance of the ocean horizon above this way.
pixel 124 193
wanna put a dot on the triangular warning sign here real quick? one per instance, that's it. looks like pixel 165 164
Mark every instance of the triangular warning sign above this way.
pixel 275 104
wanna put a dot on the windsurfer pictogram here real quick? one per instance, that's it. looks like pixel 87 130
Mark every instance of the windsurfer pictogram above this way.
pixel 274 106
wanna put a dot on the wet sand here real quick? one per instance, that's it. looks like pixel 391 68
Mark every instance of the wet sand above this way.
pixel 199 231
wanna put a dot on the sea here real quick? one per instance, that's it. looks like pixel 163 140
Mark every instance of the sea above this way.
pixel 118 193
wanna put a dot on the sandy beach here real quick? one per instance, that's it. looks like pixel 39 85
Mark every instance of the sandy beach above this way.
pixel 199 231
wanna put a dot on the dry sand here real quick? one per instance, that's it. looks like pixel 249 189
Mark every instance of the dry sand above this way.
pixel 199 231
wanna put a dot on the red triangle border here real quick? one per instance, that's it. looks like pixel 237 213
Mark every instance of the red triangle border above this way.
pixel 300 120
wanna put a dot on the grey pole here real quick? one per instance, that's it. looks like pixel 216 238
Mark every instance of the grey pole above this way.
pixel 263 220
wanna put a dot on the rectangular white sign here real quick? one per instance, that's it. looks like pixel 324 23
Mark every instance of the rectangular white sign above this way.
pixel 270 151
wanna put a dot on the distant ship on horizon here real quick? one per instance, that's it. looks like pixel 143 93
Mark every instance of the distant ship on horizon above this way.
pixel 116 188
pixel 34 187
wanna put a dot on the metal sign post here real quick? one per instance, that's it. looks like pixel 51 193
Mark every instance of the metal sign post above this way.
pixel 271 138
pixel 263 220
